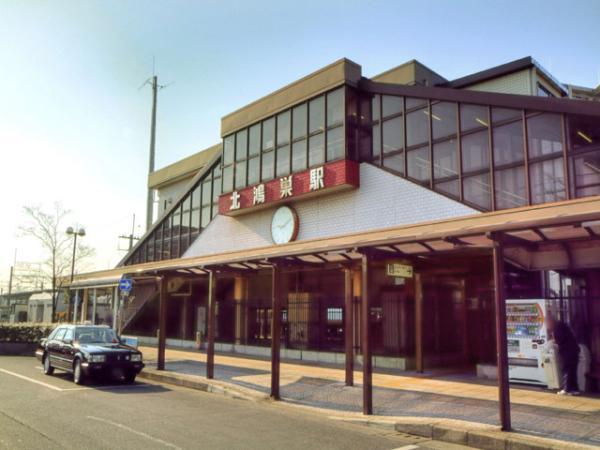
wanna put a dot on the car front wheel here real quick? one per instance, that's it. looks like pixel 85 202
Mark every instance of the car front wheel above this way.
pixel 130 377
pixel 48 369
pixel 78 376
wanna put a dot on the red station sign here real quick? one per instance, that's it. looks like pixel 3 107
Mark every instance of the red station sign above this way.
pixel 319 180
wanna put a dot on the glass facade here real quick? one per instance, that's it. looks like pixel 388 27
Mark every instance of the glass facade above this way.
pixel 307 135
pixel 487 157
pixel 175 232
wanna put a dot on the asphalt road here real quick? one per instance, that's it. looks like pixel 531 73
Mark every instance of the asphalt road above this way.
pixel 47 412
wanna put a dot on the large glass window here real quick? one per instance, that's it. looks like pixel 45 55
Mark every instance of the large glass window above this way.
pixel 316 120
pixel 508 143
pixel 268 169
pixel 283 128
pixel 299 121
pixel 443 119
pixel 586 174
pixel 445 159
pixel 253 170
pixel 445 167
pixel 392 105
pixel 417 127
pixel 475 151
pixel 306 135
pixel 283 161
pixel 547 181
pixel 395 162
pixel 299 155
pixel 196 202
pixel 393 135
pixel 228 149
pixel 544 135
pixel 335 107
pixel 268 134
pixel 510 188
pixel 316 148
pixel 473 117
pixel 477 191
pixel 584 147
pixel 419 166
pixel 335 144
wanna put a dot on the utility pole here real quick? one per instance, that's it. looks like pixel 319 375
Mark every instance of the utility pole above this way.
pixel 150 199
pixel 132 237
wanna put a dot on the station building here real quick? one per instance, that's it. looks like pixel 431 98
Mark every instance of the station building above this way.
pixel 384 220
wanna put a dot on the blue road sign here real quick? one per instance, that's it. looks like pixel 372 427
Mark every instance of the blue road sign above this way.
pixel 125 284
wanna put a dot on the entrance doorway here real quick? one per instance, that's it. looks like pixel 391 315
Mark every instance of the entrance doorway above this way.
pixel 445 321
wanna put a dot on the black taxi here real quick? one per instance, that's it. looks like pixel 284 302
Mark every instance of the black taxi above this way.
pixel 89 351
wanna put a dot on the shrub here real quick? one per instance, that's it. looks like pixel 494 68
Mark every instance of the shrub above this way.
pixel 24 332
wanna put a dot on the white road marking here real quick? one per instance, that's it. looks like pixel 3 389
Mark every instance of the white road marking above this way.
pixel 41 383
pixel 407 447
pixel 131 430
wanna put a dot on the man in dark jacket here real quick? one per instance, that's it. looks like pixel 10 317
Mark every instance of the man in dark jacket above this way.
pixel 568 353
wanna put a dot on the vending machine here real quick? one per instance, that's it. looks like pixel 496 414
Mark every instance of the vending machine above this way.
pixel 527 341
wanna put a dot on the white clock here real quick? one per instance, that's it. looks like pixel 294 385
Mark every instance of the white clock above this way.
pixel 284 225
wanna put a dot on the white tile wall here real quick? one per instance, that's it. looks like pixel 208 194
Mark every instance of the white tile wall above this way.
pixel 383 200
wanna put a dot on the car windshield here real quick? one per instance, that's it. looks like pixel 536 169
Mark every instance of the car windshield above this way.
pixel 95 335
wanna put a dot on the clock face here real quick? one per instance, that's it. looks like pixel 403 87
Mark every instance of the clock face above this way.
pixel 284 225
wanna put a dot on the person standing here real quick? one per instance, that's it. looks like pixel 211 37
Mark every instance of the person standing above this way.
pixel 568 353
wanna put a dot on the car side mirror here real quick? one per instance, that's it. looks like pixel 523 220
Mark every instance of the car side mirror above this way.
pixel 68 341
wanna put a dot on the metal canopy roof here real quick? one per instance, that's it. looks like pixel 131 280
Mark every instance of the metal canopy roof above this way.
pixel 562 235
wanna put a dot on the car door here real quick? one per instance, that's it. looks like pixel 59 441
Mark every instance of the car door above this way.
pixel 53 347
pixel 67 348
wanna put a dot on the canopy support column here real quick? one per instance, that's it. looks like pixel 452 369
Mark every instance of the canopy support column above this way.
pixel 162 320
pixel 501 342
pixel 210 338
pixel 365 337
pixel 420 365
pixel 349 326
pixel 276 332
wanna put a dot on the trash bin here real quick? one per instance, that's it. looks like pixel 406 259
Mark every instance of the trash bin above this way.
pixel 551 365
pixel 583 367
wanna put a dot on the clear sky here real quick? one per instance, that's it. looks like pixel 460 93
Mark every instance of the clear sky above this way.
pixel 74 127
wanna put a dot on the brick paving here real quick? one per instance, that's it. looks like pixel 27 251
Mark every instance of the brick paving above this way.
pixel 579 422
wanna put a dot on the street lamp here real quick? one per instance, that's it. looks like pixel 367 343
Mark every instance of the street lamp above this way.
pixel 71 232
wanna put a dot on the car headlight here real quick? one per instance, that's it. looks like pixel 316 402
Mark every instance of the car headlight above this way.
pixel 136 357
pixel 98 358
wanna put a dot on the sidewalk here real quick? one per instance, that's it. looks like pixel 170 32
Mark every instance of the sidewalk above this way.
pixel 453 397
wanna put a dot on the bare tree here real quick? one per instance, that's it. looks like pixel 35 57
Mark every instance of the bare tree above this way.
pixel 48 228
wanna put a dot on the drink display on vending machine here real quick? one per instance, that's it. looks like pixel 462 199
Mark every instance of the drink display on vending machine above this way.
pixel 527 341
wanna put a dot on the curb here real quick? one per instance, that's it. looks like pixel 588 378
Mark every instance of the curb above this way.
pixel 481 436
pixel 192 382
pixel 470 434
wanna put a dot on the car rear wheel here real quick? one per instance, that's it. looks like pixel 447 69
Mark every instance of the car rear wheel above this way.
pixel 48 369
pixel 78 376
